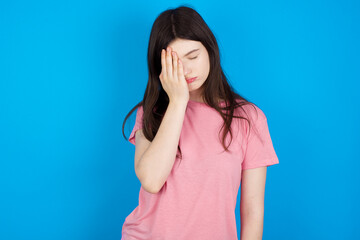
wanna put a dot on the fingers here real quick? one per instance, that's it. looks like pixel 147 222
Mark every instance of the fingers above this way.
pixel 163 62
pixel 180 70
pixel 175 66
pixel 169 63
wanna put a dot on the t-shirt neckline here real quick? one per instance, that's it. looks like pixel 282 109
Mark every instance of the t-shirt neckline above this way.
pixel 202 103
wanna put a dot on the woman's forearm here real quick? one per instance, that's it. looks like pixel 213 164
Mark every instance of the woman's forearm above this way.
pixel 157 161
pixel 251 226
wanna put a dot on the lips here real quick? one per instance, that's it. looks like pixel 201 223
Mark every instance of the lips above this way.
pixel 190 80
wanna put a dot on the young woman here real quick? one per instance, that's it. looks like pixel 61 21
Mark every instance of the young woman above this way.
pixel 195 139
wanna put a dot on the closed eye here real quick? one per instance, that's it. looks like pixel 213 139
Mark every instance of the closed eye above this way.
pixel 194 57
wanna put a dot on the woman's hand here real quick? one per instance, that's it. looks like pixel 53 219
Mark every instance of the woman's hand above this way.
pixel 172 77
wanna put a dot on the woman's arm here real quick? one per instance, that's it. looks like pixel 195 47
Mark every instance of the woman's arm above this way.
pixel 155 164
pixel 252 203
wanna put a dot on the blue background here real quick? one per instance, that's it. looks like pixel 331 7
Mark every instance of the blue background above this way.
pixel 71 70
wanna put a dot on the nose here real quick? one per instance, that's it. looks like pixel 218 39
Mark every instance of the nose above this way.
pixel 186 69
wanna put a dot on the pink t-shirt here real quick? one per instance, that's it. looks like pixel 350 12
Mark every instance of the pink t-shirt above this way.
pixel 198 199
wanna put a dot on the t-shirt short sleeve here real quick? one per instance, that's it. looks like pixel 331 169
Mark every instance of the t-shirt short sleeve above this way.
pixel 138 124
pixel 259 148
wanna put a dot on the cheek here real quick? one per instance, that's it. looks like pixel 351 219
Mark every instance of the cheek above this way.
pixel 203 65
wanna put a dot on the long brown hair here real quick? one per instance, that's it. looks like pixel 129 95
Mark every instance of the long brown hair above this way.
pixel 185 23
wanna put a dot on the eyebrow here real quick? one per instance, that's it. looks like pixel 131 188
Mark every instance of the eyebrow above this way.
pixel 191 52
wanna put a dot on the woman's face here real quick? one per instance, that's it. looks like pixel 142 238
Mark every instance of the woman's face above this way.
pixel 196 63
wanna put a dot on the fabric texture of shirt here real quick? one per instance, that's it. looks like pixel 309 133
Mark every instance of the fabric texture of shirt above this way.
pixel 198 199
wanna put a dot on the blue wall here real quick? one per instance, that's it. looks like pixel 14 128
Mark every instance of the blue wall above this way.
pixel 71 70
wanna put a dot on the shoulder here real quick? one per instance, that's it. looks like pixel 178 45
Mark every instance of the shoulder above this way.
pixel 140 110
pixel 251 111
pixel 139 114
